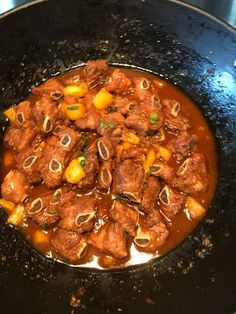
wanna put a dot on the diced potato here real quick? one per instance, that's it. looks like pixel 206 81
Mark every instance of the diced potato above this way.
pixel 76 90
pixel 10 113
pixel 40 237
pixel 8 158
pixel 126 145
pixel 195 209
pixel 9 206
pixel 150 158
pixel 102 99
pixel 17 215
pixel 74 173
pixel 131 138
pixel 164 152
pixel 75 111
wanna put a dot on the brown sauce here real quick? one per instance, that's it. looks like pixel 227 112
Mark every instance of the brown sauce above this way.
pixel 180 226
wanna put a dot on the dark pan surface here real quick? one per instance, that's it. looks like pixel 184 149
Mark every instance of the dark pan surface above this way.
pixel 188 48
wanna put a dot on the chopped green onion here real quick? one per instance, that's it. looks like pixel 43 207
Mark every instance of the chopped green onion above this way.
pixel 82 161
pixel 154 118
pixel 149 132
pixel 104 125
pixel 73 107
pixel 44 225
pixel 152 168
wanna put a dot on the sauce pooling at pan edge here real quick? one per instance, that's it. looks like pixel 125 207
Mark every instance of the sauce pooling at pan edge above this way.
pixel 105 167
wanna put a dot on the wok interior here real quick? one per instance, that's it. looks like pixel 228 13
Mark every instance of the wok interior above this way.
pixel 177 48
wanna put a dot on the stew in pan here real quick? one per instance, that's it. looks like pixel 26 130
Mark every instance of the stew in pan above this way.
pixel 105 166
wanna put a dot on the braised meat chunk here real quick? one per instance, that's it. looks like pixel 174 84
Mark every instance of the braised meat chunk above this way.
pixel 128 180
pixel 125 215
pixel 78 215
pixel 192 176
pixel 171 201
pixel 110 239
pixel 15 187
pixel 69 245
pixel 101 164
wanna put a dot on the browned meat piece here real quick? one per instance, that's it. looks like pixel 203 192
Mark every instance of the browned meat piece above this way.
pixel 125 216
pixel 120 83
pixel 111 124
pixel 19 138
pixel 53 163
pixel 89 121
pixel 128 179
pixel 29 163
pixel 192 176
pixel 66 197
pixel 137 122
pixel 95 69
pixel 107 147
pixel 183 144
pixel 43 211
pixel 24 114
pixel 135 152
pixel 52 88
pixel 142 91
pixel 110 239
pixel 171 201
pixel 78 215
pixel 46 114
pixel 151 238
pixel 105 175
pixel 175 120
pixel 68 138
pixel 124 105
pixel 163 171
pixel 15 187
pixel 91 167
pixel 88 101
pixel 150 220
pixel 150 194
pixel 69 245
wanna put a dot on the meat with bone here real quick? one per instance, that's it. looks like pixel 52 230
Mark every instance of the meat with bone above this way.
pixel 15 187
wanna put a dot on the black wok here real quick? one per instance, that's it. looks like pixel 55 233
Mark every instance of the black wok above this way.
pixel 190 49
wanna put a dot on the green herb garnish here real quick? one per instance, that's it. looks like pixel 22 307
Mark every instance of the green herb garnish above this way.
pixel 83 161
pixel 84 140
pixel 104 125
pixel 149 132
pixel 152 168
pixel 44 225
pixel 154 118
pixel 125 235
pixel 72 107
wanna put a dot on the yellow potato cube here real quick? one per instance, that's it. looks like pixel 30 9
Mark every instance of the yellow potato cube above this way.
pixel 131 138
pixel 150 158
pixel 9 206
pixel 102 99
pixel 195 209
pixel 10 114
pixel 17 215
pixel 76 90
pixel 75 111
pixel 164 152
pixel 74 173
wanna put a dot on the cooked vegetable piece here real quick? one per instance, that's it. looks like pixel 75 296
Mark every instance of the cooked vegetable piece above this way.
pixel 75 111
pixel 9 206
pixel 194 208
pixel 10 114
pixel 102 99
pixel 79 90
pixel 17 215
pixel 131 138
pixel 164 152
pixel 74 173
pixel 150 158
pixel 40 237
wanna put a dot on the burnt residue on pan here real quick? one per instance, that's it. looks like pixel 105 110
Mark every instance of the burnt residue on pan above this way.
pixel 190 50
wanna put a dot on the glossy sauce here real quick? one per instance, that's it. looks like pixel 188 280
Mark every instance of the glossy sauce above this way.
pixel 180 226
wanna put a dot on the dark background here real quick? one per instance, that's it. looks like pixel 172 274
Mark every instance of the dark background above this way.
pixel 225 9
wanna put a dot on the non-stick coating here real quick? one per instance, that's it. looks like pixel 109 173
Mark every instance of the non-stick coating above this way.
pixel 188 48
